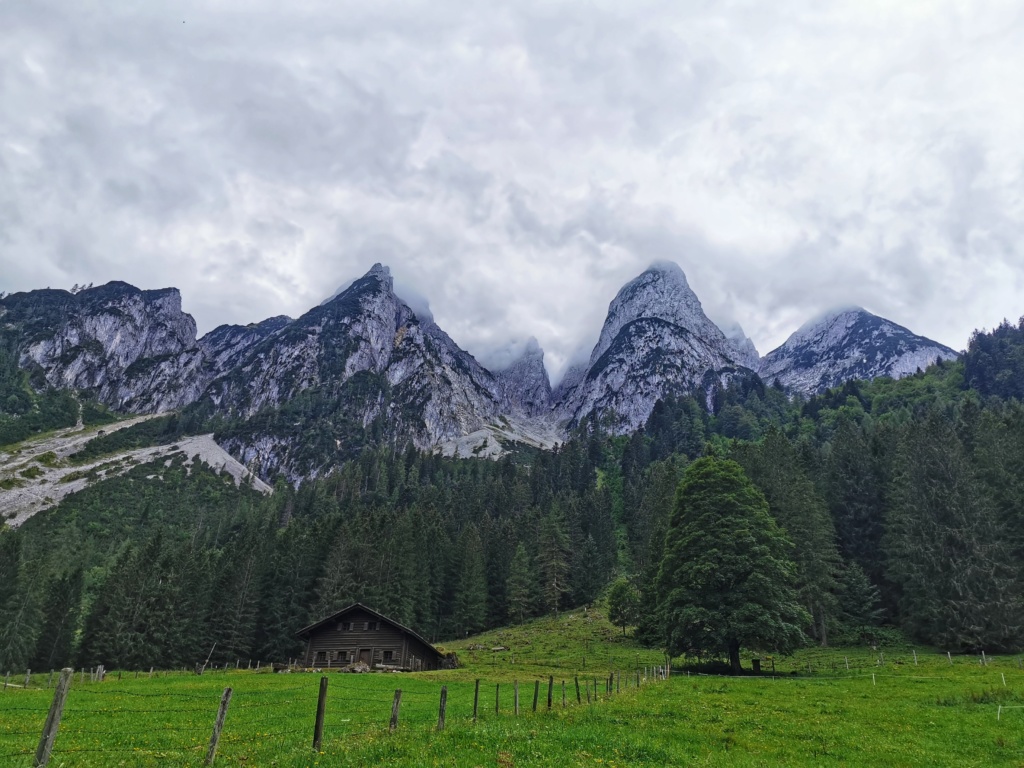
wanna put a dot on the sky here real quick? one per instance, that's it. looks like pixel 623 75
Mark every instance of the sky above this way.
pixel 517 163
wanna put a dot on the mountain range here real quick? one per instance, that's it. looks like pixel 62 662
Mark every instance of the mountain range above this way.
pixel 365 360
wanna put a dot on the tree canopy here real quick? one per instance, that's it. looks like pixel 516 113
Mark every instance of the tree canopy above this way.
pixel 726 579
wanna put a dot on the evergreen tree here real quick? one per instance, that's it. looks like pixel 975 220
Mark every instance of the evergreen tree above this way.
pixel 63 602
pixel 948 548
pixel 774 467
pixel 553 560
pixel 471 592
pixel 520 586
pixel 726 580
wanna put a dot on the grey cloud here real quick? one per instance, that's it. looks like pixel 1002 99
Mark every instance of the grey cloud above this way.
pixel 516 164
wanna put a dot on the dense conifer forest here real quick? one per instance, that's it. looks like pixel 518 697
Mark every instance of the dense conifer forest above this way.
pixel 901 504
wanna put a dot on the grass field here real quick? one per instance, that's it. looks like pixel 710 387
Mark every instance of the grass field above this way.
pixel 898 713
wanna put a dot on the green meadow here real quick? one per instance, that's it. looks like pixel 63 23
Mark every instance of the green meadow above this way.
pixel 823 707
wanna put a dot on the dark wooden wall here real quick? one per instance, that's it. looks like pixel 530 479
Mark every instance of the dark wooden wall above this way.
pixel 345 646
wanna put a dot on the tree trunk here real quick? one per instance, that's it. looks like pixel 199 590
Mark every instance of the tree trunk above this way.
pixel 734 657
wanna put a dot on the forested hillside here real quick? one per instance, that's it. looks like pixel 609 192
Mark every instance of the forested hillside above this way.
pixel 903 501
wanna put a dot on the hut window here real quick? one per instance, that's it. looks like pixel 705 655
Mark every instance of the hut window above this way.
pixel 389 655
pixel 321 655
pixel 376 625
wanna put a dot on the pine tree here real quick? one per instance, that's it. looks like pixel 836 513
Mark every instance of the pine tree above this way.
pixel 55 645
pixel 948 548
pixel 774 467
pixel 520 586
pixel 553 560
pixel 471 592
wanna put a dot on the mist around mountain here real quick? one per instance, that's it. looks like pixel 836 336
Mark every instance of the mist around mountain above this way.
pixel 297 397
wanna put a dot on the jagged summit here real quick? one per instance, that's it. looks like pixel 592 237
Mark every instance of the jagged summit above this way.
pixel 524 384
pixel 655 342
pixel 745 353
pixel 848 343
pixel 661 292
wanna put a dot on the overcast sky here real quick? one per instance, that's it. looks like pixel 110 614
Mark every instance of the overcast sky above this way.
pixel 518 164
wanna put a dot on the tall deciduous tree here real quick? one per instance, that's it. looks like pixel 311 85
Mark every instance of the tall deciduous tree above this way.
pixel 623 604
pixel 726 578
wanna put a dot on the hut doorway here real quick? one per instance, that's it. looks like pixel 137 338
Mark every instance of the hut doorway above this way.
pixel 365 655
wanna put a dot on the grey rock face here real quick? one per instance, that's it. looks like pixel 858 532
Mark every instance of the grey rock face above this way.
pixel 524 386
pixel 224 346
pixel 848 344
pixel 656 341
pixel 136 350
pixel 741 347
pixel 414 376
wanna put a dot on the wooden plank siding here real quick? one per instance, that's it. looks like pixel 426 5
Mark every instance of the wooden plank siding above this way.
pixel 359 634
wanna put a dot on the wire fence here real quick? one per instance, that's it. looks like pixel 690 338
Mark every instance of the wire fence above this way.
pixel 105 716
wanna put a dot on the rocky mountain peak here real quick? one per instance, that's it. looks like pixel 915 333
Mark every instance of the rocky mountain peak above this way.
pixel 744 351
pixel 661 292
pixel 848 343
pixel 524 385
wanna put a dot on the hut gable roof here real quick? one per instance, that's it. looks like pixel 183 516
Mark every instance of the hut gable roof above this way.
pixel 306 631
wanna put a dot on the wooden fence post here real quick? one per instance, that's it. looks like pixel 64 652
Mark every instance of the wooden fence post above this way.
pixel 52 725
pixel 497 697
pixel 586 685
pixel 49 680
pixel 551 685
pixel 28 677
pixel 563 695
pixel 515 697
pixel 441 709
pixel 536 693
pixel 476 698
pixel 218 726
pixel 321 709
pixel 394 711
pixel 579 700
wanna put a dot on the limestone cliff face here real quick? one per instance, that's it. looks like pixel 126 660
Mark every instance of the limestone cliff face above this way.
pixel 848 344
pixel 368 348
pixel 656 341
pixel 524 385
pixel 136 350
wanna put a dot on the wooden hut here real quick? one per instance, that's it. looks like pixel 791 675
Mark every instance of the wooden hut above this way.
pixel 358 634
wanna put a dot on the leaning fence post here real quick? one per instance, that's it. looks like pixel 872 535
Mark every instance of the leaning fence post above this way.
pixel 536 693
pixel 394 711
pixel 218 726
pixel 476 698
pixel 321 708
pixel 578 699
pixel 444 704
pixel 52 725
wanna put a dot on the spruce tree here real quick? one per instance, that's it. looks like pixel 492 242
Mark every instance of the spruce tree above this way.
pixel 520 586
pixel 471 592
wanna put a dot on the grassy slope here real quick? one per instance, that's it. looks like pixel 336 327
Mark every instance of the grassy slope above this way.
pixel 909 715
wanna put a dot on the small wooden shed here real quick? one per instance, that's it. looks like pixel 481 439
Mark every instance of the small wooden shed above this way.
pixel 359 634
